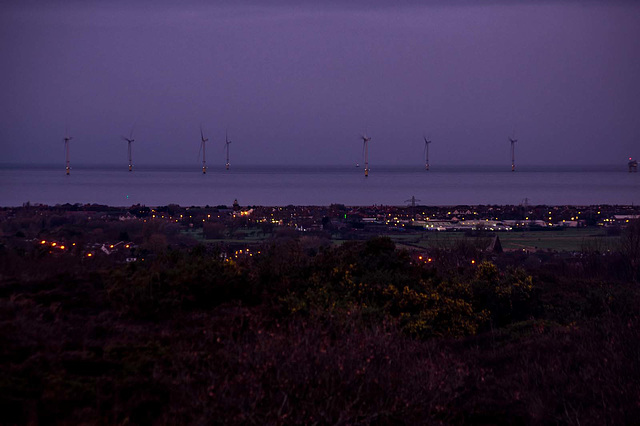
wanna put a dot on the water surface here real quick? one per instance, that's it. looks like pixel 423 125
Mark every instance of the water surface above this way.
pixel 283 185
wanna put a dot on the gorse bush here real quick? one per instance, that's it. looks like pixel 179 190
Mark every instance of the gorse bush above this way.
pixel 506 296
pixel 304 333
pixel 441 310
pixel 377 279
pixel 372 278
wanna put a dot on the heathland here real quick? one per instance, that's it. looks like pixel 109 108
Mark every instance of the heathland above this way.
pixel 320 315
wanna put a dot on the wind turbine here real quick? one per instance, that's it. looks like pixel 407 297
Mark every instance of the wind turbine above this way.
pixel 129 140
pixel 365 151
pixel 513 151
pixel 227 142
pixel 67 138
pixel 203 150
pixel 426 152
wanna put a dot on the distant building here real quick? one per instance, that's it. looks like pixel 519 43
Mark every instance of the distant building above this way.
pixel 495 246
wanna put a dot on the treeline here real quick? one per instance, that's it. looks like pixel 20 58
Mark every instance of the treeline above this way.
pixel 305 332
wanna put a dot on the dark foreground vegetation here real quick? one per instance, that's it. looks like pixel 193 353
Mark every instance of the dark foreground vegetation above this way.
pixel 308 333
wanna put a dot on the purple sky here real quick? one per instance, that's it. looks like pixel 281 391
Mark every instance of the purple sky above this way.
pixel 296 83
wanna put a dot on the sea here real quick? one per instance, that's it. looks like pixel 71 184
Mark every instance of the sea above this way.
pixel 318 185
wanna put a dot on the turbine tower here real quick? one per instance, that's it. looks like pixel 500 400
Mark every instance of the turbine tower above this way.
pixel 227 142
pixel 426 152
pixel 203 150
pixel 67 138
pixel 365 151
pixel 129 140
pixel 513 152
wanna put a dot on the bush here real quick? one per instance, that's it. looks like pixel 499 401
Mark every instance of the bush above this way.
pixel 507 296
pixel 175 281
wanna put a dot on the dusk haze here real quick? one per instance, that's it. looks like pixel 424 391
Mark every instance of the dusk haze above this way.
pixel 297 83
pixel 243 212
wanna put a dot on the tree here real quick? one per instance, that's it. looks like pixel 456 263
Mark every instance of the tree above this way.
pixel 630 248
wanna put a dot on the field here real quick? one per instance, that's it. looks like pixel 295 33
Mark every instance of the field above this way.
pixel 589 239
pixel 565 240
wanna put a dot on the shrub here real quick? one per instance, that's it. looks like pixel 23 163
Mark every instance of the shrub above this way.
pixel 176 280
pixel 506 295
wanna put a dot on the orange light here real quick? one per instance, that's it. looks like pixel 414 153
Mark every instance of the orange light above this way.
pixel 111 246
pixel 43 242
pixel 61 247
pixel 127 246
pixel 420 257
pixel 53 244
pixel 430 259
pixel 473 262
pixel 89 254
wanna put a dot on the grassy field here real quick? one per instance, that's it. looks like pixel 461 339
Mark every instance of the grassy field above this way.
pixel 560 240
pixel 565 240
pixel 240 236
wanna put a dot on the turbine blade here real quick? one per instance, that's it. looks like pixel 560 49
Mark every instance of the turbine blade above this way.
pixel 201 135
pixel 200 150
